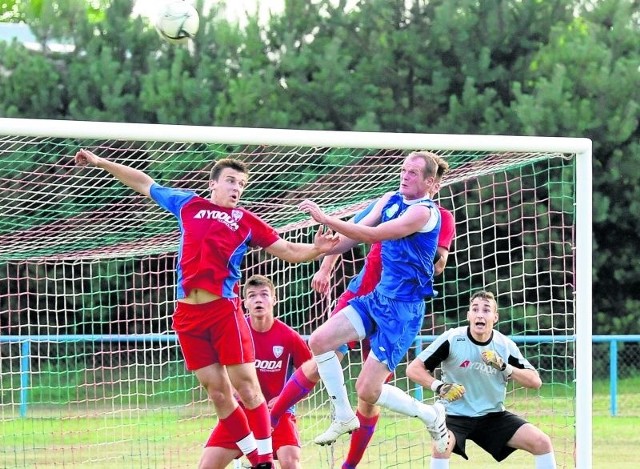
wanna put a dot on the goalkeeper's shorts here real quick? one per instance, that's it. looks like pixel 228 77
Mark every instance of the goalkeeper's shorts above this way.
pixel 491 432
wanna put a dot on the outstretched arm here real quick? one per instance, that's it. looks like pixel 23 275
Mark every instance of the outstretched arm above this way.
pixel 133 178
pixel 409 222
pixel 301 252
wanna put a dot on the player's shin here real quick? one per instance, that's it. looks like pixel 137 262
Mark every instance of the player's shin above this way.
pixel 360 440
pixel 237 426
pixel 399 401
pixel 330 372
pixel 259 422
pixel 296 389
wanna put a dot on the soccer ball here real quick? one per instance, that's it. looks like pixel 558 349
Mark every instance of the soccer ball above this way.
pixel 177 22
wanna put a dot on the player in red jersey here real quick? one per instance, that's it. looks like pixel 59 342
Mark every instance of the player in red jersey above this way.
pixel 213 334
pixel 279 350
pixel 306 377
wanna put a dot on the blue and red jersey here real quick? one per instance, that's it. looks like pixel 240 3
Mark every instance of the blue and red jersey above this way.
pixel 213 241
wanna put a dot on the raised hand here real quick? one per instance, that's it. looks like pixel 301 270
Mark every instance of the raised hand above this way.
pixel 86 158
pixel 325 239
pixel 310 207
pixel 494 360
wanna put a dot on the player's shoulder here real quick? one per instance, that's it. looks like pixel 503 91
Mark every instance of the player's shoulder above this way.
pixel 389 196
pixel 501 339
pixel 283 328
pixel 244 214
pixel 460 331
pixel 455 334
pixel 156 187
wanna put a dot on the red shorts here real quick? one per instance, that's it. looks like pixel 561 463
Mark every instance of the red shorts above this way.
pixel 285 434
pixel 214 332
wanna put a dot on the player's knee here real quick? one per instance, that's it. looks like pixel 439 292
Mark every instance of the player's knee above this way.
pixel 250 396
pixel 541 444
pixel 366 409
pixel 310 370
pixel 367 392
pixel 289 457
pixel 219 397
pixel 317 344
pixel 536 441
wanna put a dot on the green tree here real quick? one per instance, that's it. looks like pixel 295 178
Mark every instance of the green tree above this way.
pixel 539 67
pixel 584 82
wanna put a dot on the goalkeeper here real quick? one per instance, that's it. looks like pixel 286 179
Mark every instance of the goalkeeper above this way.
pixel 477 363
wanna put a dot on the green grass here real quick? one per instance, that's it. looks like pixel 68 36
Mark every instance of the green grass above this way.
pixel 144 425
pixel 173 438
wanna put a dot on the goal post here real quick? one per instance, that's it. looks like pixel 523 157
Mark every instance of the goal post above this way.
pixel 87 284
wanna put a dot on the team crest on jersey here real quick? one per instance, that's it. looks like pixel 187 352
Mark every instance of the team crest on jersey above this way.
pixel 391 211
pixel 277 350
pixel 236 214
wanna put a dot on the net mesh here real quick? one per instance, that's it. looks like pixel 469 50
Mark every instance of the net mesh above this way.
pixel 91 372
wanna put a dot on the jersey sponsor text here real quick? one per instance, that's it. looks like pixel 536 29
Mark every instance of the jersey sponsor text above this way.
pixel 231 222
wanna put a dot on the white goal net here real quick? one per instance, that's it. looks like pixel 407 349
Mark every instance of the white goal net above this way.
pixel 91 370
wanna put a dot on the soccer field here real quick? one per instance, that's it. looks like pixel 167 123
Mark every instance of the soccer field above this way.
pixel 168 439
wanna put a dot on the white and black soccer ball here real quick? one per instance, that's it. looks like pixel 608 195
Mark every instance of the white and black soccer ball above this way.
pixel 177 21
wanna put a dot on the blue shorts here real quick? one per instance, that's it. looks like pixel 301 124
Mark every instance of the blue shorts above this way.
pixel 391 325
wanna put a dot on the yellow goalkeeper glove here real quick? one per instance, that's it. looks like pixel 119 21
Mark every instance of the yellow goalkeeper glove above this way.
pixel 451 391
pixel 491 358
pixel 447 391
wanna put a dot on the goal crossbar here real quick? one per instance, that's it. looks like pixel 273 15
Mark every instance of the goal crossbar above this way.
pixel 500 148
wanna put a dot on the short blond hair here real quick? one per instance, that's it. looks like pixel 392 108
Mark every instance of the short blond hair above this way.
pixel 435 165
pixel 485 295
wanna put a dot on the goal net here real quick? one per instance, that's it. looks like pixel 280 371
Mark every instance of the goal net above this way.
pixel 91 370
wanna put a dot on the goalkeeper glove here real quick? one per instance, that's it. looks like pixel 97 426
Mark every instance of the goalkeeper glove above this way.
pixel 448 391
pixel 494 360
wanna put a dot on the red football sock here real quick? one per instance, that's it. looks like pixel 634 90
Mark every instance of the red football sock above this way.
pixel 237 425
pixel 259 423
pixel 296 389
pixel 360 440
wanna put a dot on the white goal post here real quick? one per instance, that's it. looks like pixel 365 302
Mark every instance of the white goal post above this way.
pixel 28 145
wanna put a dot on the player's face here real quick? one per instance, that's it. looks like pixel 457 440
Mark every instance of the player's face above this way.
pixel 413 184
pixel 228 188
pixel 482 316
pixel 259 301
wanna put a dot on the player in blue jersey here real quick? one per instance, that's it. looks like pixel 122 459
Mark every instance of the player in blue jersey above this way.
pixel 477 363
pixel 407 222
